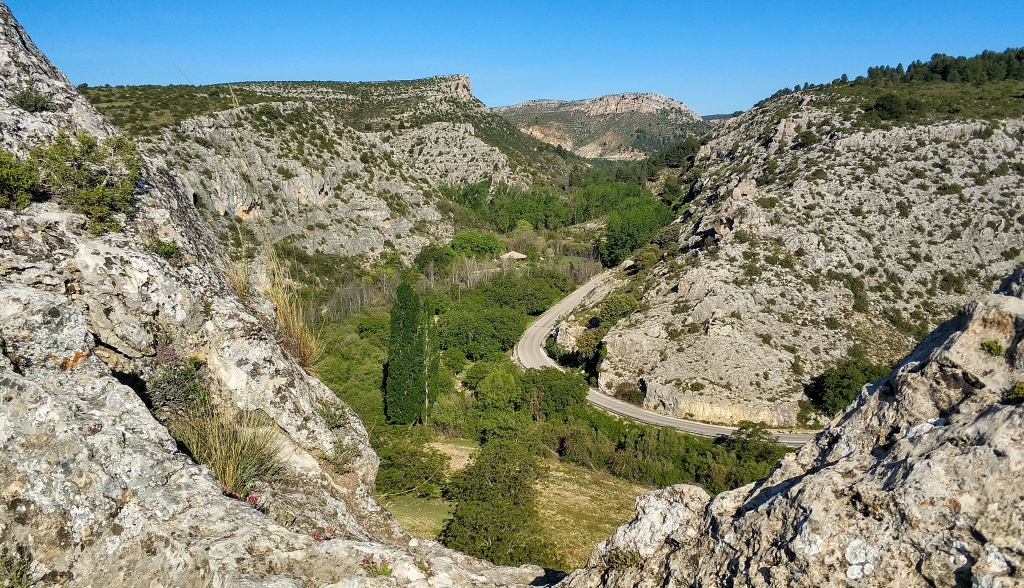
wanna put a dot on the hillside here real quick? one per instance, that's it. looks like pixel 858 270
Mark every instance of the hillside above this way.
pixel 916 484
pixel 344 168
pixel 812 230
pixel 618 126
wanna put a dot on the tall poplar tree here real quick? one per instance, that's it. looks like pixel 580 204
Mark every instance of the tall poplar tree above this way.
pixel 405 390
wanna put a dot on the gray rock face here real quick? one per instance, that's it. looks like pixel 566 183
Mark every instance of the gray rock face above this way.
pixel 792 253
pixel 351 194
pixel 94 489
pixel 916 484
pixel 23 66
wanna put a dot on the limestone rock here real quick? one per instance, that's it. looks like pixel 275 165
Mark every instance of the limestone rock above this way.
pixel 915 484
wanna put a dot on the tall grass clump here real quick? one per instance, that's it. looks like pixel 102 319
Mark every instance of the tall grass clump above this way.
pixel 295 329
pixel 240 451
pixel 237 274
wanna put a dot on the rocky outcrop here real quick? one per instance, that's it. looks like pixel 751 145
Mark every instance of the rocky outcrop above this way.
pixel 805 236
pixel 617 126
pixel 915 484
pixel 95 491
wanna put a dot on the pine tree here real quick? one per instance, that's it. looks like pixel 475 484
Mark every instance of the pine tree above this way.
pixel 404 378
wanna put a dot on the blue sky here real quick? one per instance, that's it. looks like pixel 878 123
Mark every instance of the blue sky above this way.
pixel 715 56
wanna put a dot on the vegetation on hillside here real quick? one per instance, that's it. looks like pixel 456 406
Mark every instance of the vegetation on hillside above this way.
pixel 986 86
pixel 478 394
pixel 91 177
pixel 143 111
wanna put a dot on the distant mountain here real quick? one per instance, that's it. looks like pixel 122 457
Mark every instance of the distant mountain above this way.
pixel 617 126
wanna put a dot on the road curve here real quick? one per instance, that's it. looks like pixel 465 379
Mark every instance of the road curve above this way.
pixel 529 352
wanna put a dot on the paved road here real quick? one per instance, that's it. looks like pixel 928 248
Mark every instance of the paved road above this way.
pixel 530 353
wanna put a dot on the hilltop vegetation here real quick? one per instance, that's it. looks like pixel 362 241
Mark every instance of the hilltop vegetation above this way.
pixel 987 86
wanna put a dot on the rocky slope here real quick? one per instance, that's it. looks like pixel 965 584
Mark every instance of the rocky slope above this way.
pixel 95 491
pixel 344 168
pixel 806 235
pixel 617 126
pixel 915 484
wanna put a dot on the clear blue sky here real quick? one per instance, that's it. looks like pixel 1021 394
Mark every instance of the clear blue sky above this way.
pixel 715 56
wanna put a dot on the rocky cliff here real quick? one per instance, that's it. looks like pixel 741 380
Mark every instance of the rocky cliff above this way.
pixel 915 484
pixel 617 126
pixel 344 168
pixel 95 491
pixel 805 235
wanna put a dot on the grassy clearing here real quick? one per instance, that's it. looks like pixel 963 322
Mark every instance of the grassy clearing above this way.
pixel 579 507
pixel 460 451
pixel 420 517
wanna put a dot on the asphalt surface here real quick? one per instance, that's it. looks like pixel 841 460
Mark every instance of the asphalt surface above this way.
pixel 530 353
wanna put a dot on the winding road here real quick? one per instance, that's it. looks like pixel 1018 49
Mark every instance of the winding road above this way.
pixel 529 352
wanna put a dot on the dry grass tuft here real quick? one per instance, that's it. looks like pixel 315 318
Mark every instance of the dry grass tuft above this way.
pixel 240 451
pixel 237 274
pixel 295 330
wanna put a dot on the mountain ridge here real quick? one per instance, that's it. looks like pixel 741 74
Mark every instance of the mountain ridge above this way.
pixel 624 126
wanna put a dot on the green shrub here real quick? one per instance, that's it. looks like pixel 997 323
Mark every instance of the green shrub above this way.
pixel 18 182
pixel 93 178
pixel 833 390
pixel 178 385
pixel 1016 395
pixel 409 468
pixel 15 571
pixel 168 250
pixel 630 393
pixel 994 348
pixel 615 307
pixel 472 244
pixel 621 559
pixel 31 100
pixel 495 516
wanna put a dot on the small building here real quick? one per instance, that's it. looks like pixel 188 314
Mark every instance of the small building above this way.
pixel 513 256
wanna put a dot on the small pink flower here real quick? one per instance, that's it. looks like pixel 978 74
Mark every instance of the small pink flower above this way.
pixel 317 536
pixel 329 532
pixel 253 498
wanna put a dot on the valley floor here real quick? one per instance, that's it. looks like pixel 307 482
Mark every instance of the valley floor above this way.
pixel 579 507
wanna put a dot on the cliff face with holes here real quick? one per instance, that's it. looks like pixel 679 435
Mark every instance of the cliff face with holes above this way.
pixel 806 235
pixel 915 484
pixel 93 489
